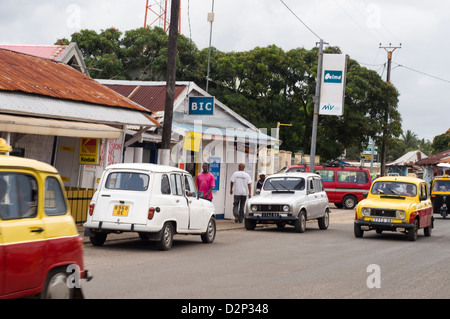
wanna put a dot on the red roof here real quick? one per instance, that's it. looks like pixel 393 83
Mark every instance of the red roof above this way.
pixel 435 159
pixel 43 51
pixel 152 97
pixel 34 75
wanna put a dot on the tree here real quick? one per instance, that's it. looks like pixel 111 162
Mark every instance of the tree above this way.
pixel 441 142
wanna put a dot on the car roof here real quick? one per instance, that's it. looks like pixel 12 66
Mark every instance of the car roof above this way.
pixel 296 174
pixel 406 179
pixel 146 167
pixel 7 161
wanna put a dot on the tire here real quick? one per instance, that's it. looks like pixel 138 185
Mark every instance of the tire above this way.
pixel 165 243
pixel 210 234
pixel 349 202
pixel 56 285
pixel 250 224
pixel 359 233
pixel 412 233
pixel 324 221
pixel 98 239
pixel 300 223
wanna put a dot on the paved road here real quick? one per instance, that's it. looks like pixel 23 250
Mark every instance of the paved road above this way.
pixel 273 263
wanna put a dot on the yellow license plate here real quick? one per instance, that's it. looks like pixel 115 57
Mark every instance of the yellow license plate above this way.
pixel 121 210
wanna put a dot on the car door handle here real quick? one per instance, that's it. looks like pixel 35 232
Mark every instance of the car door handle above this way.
pixel 37 230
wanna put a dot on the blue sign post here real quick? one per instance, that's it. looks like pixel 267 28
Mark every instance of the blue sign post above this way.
pixel 214 168
pixel 201 105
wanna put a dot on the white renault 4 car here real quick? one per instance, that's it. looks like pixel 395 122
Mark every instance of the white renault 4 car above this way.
pixel 289 199
pixel 155 201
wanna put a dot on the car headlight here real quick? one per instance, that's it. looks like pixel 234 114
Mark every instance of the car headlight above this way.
pixel 401 214
pixel 286 208
pixel 365 211
pixel 254 208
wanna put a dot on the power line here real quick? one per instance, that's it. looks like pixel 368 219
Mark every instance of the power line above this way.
pixel 417 71
pixel 301 20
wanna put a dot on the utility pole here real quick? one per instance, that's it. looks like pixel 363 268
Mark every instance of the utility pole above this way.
pixel 389 49
pixel 211 20
pixel 170 83
pixel 312 155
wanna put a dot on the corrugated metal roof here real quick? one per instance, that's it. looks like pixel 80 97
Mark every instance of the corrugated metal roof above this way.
pixel 152 98
pixel 24 73
pixel 43 51
pixel 435 159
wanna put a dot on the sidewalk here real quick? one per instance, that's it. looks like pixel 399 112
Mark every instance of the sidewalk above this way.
pixel 221 224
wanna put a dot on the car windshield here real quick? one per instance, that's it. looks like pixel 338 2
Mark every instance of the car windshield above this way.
pixel 284 183
pixel 127 181
pixel 441 186
pixel 394 188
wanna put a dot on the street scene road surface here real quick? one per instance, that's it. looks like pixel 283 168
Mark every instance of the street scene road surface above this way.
pixel 275 263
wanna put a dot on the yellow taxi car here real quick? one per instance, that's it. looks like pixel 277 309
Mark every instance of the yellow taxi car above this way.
pixel 395 203
pixel 41 251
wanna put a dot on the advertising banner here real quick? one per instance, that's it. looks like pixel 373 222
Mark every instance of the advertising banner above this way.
pixel 333 84
pixel 201 105
pixel 89 151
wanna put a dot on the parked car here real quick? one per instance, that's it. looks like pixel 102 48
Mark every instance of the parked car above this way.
pixel 40 248
pixel 440 195
pixel 345 185
pixel 155 201
pixel 289 199
pixel 394 203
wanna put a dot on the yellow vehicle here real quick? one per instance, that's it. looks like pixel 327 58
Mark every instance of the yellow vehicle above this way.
pixel 41 252
pixel 440 195
pixel 395 203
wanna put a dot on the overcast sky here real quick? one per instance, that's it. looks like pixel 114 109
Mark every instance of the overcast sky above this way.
pixel 420 69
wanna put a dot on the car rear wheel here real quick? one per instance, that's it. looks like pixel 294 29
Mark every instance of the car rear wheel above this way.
pixel 324 222
pixel 166 240
pixel 349 202
pixel 97 239
pixel 210 234
pixel 56 286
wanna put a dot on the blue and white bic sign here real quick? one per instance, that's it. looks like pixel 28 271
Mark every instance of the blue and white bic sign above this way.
pixel 201 105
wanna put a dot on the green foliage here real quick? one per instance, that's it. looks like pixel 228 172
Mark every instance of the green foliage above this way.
pixel 265 85
pixel 441 142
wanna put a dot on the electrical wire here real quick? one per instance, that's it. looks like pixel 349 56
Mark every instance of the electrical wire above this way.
pixel 423 73
pixel 301 20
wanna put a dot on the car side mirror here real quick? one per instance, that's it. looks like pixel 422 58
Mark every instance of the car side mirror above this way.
pixel 258 191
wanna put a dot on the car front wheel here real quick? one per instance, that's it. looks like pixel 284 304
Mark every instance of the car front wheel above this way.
pixel 210 234
pixel 358 231
pixel 300 223
pixel 412 233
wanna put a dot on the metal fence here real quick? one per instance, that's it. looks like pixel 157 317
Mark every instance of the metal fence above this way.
pixel 79 200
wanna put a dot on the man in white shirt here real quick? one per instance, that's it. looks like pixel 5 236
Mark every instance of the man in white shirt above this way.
pixel 242 188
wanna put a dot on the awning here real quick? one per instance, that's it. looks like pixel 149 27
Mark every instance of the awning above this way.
pixel 41 126
pixel 229 133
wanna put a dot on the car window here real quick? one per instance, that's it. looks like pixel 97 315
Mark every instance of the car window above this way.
pixel 127 181
pixel 54 204
pixel 190 186
pixel 18 196
pixel 352 177
pixel 318 186
pixel 441 185
pixel 175 184
pixel 284 183
pixel 165 186
pixel 327 175
pixel 394 188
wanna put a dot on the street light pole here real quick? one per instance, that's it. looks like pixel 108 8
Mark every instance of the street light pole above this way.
pixel 312 155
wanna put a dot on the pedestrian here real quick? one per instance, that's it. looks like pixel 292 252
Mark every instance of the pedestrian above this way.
pixel 260 182
pixel 205 182
pixel 241 181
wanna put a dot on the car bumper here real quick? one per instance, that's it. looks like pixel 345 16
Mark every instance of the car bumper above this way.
pixel 116 227
pixel 271 219
pixel 369 225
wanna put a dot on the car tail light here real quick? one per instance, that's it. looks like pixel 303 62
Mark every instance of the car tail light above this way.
pixel 91 209
pixel 151 212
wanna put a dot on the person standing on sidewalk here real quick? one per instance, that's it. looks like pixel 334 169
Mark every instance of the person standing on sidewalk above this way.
pixel 205 182
pixel 241 181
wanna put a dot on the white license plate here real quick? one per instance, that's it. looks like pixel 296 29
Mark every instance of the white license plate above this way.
pixel 382 220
